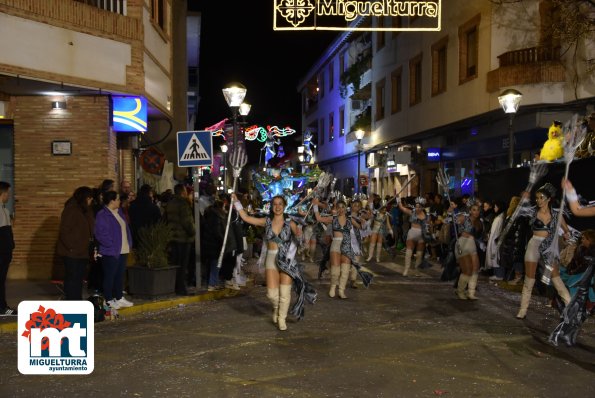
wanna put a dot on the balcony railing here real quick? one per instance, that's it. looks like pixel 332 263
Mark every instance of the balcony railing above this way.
pixel 115 6
pixel 529 56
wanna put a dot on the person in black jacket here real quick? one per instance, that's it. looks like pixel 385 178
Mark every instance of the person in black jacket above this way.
pixel 143 211
pixel 6 247
pixel 512 249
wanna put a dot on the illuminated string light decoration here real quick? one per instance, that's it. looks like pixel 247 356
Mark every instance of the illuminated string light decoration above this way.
pixel 260 133
pixel 252 133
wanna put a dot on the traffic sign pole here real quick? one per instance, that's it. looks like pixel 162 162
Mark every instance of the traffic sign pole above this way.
pixel 197 251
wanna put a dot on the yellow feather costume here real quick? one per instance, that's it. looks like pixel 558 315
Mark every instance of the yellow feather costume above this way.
pixel 553 148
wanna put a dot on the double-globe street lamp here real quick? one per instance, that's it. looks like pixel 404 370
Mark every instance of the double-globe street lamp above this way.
pixel 510 100
pixel 359 134
pixel 234 94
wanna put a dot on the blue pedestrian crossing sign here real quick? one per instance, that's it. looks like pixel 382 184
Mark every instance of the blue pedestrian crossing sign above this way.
pixel 195 148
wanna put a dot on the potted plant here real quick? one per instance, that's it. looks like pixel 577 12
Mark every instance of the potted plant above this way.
pixel 152 275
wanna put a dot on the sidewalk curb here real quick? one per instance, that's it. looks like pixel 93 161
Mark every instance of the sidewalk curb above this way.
pixel 124 313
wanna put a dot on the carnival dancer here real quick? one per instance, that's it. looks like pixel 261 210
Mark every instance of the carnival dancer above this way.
pixel 579 277
pixel 281 268
pixel 310 234
pixel 344 248
pixel 470 228
pixel 544 231
pixel 415 235
pixel 380 226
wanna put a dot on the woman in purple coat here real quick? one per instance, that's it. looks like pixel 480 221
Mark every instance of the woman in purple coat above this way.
pixel 115 241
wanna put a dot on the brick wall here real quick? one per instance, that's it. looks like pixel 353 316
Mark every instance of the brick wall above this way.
pixel 43 182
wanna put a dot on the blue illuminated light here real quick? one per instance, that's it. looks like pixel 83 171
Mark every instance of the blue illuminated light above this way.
pixel 434 154
pixel 130 114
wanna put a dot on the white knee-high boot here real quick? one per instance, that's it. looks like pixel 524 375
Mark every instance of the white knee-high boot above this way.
pixel 343 277
pixel 335 272
pixel 408 254
pixel 472 286
pixel 419 257
pixel 461 285
pixel 371 250
pixel 525 297
pixel 561 289
pixel 378 251
pixel 273 296
pixel 284 300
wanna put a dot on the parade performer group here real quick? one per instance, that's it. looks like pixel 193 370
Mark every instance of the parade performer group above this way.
pixel 344 247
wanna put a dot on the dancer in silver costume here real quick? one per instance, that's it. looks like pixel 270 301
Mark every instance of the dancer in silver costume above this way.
pixel 415 236
pixel 543 223
pixel 282 269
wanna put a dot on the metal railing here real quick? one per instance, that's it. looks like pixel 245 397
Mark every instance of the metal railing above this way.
pixel 115 6
pixel 529 56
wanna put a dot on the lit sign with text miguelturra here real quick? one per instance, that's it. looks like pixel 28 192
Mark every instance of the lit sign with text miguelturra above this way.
pixel 130 114
pixel 339 14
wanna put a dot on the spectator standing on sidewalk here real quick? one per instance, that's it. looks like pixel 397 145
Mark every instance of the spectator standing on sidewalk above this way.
pixel 6 247
pixel 143 211
pixel 178 215
pixel 115 241
pixel 75 240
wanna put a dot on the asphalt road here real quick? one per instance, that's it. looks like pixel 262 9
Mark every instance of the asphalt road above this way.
pixel 402 337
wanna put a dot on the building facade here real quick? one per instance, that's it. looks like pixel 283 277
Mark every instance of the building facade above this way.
pixel 78 54
pixel 432 97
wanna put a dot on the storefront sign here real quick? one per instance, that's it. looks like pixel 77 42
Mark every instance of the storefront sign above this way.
pixel 129 114
pixel 434 154
pixel 338 14
pixel 363 180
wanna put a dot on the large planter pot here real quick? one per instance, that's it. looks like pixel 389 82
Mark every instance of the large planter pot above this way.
pixel 143 281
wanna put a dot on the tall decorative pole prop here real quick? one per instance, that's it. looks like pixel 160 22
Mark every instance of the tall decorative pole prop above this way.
pixel 574 134
pixel 238 161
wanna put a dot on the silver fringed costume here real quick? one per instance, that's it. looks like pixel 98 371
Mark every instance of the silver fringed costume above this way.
pixel 287 263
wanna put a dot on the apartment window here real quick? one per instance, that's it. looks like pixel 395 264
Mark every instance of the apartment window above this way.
pixel 321 84
pixel 415 80
pixel 439 51
pixel 396 90
pixel 469 49
pixel 321 131
pixel 341 64
pixel 380 100
pixel 331 75
pixel 331 127
pixel 380 35
pixel 158 13
pixel 342 121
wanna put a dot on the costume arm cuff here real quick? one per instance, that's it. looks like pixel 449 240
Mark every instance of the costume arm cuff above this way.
pixel 571 195
pixel 315 207
pixel 238 206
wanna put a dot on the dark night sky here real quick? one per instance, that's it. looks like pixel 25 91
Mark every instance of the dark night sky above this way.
pixel 269 63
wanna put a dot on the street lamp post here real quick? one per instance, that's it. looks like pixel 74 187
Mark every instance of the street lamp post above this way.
pixel 234 94
pixel 510 100
pixel 359 134
pixel 224 150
